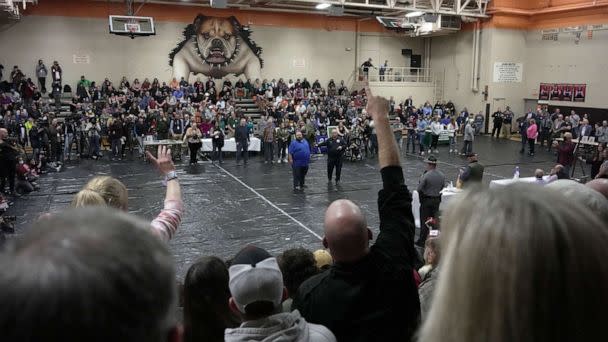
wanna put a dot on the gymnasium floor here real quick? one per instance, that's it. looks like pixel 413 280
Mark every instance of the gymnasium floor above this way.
pixel 231 206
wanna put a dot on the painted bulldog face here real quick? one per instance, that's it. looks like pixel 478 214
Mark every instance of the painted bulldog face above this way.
pixel 217 41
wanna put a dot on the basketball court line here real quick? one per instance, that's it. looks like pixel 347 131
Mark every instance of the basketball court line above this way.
pixel 269 202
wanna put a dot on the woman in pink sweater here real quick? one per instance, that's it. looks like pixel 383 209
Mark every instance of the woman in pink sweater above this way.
pixel 532 133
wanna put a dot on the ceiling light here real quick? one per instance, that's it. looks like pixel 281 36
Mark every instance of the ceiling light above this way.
pixel 414 14
pixel 323 6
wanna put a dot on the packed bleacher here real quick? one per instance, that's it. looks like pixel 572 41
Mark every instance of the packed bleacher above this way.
pixel 515 263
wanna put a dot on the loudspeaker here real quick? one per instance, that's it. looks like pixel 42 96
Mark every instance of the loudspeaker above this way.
pixel 406 52
pixel 416 61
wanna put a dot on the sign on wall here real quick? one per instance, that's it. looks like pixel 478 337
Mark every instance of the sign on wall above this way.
pixel 562 92
pixel 299 63
pixel 507 72
pixel 81 59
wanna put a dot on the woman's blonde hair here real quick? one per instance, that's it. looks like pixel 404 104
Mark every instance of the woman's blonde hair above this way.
pixel 520 263
pixel 111 190
pixel 87 198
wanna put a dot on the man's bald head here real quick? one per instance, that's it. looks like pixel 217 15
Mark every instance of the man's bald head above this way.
pixel 346 232
pixel 600 185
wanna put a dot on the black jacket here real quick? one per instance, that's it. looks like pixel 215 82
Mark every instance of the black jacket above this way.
pixel 374 299
pixel 241 134
pixel 333 145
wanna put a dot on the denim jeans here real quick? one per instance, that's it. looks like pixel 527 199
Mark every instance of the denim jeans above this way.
pixel 453 143
pixel 67 147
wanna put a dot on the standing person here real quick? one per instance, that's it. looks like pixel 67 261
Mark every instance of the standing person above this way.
pixel 41 73
pixel 8 162
pixel 479 120
pixel 468 137
pixel 282 136
pixel 429 191
pixel 436 128
pixel 545 130
pixel 472 173
pixel 115 135
pixel 268 137
pixel 498 119
pixel 93 130
pixel 369 292
pixel 383 69
pixel 193 137
pixel 507 120
pixel 565 152
pixel 575 120
pixel 217 142
pixel 336 145
pixel 241 137
pixel 365 67
pixel 140 131
pixel 599 157
pixel 56 73
pixel 421 128
pixel 177 127
pixel 523 123
pixel 453 126
pixel 532 134
pixel 299 158
pixel 411 135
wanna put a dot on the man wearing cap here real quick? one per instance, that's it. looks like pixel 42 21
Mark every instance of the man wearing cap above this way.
pixel 369 292
pixel 256 288
pixel 336 145
pixel 429 191
pixel 472 173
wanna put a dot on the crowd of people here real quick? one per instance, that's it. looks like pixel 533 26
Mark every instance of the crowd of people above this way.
pixel 520 262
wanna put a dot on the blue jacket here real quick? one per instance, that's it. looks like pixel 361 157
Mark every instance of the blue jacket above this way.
pixel 300 152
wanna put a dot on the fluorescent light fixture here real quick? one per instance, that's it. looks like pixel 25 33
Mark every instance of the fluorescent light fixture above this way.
pixel 322 6
pixel 414 14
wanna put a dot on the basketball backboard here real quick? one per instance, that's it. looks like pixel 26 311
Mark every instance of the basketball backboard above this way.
pixel 131 26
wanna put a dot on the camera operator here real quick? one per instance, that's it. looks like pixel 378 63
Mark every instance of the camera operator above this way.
pixel 8 161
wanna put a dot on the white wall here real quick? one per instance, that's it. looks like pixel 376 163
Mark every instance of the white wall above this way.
pixel 420 92
pixel 564 61
pixel 326 54
pixel 381 47
pixel 543 61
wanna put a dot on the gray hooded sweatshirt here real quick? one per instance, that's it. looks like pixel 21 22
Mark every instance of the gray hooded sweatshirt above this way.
pixel 282 327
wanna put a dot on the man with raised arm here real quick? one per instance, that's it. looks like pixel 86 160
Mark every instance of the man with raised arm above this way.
pixel 369 293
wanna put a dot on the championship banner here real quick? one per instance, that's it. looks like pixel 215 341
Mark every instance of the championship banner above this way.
pixel 545 90
pixel 580 91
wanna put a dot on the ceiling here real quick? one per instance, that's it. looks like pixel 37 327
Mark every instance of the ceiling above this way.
pixel 361 8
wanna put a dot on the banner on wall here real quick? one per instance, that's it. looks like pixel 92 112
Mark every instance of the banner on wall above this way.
pixel 562 92
pixel 580 92
pixel 506 72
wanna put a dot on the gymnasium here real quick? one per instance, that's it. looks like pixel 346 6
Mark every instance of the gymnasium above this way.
pixel 465 139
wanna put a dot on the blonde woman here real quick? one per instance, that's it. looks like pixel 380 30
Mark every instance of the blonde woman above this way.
pixel 527 265
pixel 193 137
pixel 114 194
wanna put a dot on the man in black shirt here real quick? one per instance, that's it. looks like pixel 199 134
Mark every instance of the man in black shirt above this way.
pixel 241 137
pixel 365 66
pixel 8 162
pixel 498 118
pixel 336 145
pixel 369 293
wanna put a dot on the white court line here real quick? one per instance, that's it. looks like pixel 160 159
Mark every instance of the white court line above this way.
pixel 270 203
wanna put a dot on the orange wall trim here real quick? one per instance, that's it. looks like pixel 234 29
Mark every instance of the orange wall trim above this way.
pixel 186 14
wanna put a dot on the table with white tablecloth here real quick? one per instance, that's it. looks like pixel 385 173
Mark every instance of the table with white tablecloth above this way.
pixel 230 145
pixel 507 181
pixel 447 194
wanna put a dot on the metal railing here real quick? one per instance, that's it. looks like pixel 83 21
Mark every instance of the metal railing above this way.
pixel 396 75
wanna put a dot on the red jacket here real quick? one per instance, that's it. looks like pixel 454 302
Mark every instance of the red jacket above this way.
pixel 565 153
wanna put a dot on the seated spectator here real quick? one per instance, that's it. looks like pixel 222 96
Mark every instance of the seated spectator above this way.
pixel 603 170
pixel 206 294
pixel 87 198
pixel 256 287
pixel 599 185
pixel 579 193
pixel 114 192
pixel 297 265
pixel 429 273
pixel 89 274
pixel 558 172
pixel 323 259
pixel 369 294
pixel 533 283
pixel 539 174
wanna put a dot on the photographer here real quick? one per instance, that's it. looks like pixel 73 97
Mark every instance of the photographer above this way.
pixel 8 161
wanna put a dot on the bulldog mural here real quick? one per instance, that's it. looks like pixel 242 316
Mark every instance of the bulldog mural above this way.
pixel 216 47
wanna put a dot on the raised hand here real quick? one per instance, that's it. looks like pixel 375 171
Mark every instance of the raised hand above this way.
pixel 163 161
pixel 377 106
